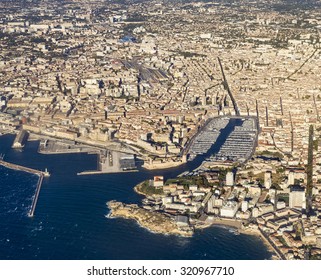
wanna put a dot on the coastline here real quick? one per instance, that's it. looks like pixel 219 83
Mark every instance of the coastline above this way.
pixel 164 165
pixel 229 223
pixel 153 221
pixel 257 233
pixel 162 233
pixel 138 191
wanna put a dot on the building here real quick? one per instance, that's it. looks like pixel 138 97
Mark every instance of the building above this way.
pixel 20 139
pixel 182 221
pixel 158 181
pixel 214 204
pixel 229 209
pixel 268 179
pixel 297 197
pixel 230 178
pixel 245 206
pixel 291 178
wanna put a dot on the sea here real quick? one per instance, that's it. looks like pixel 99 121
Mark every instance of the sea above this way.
pixel 70 218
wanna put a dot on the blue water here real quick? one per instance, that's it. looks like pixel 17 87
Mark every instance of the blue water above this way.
pixel 70 222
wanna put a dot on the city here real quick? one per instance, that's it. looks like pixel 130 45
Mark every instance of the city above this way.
pixel 234 86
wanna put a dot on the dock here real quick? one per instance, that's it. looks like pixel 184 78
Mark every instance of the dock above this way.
pixel 41 175
pixel 112 162
pixel 20 139
pixel 97 172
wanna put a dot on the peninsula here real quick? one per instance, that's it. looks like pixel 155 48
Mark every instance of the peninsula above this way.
pixel 153 221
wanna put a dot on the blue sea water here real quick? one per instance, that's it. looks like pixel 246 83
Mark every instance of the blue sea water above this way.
pixel 70 222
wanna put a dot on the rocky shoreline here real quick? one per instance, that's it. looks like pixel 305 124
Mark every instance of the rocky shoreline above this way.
pixel 153 221
pixel 159 222
pixel 137 189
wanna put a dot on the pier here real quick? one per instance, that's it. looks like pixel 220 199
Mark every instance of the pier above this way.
pixel 41 175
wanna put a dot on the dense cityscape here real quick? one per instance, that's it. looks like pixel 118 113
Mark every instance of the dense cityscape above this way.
pixel 234 85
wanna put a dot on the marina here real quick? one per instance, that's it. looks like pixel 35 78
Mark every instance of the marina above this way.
pixel 237 145
pixel 207 137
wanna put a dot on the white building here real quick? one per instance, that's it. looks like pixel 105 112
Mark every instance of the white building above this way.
pixel 297 197
pixel 158 181
pixel 229 209
pixel 167 199
pixel 230 178
pixel 244 206
pixel 267 179
pixel 291 178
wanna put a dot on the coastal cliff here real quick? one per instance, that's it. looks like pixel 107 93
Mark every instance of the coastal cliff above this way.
pixel 153 221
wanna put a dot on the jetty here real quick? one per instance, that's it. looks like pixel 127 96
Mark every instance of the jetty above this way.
pixel 41 175
pixel 35 199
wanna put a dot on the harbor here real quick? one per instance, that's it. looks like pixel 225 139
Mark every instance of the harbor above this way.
pixel 219 142
pixel 69 205
pixel 108 160
pixel 239 145
pixel 207 137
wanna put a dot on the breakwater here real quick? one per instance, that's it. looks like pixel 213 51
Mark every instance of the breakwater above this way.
pixel 41 175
